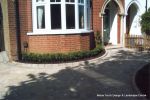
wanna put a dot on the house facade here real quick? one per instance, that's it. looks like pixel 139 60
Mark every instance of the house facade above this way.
pixel 61 26
pixel 115 18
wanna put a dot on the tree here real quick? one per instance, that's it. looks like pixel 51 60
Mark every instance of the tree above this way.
pixel 145 22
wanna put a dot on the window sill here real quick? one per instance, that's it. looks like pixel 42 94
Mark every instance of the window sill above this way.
pixel 59 32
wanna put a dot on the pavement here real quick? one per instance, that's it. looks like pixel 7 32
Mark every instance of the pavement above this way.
pixel 109 77
pixel 3 57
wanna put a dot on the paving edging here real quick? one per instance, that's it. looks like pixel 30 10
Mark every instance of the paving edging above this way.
pixel 71 64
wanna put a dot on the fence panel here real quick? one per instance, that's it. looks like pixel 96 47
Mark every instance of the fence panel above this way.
pixel 137 41
pixel 146 42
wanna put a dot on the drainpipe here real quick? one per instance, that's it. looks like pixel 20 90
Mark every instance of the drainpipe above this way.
pixel 91 6
pixel 18 30
pixel 146 6
pixel 102 27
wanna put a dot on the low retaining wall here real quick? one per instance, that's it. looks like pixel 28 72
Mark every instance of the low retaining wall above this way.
pixel 60 43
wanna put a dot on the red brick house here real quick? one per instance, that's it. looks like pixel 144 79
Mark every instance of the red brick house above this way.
pixel 52 26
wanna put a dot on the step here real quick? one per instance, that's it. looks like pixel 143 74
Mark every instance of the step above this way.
pixel 4 57
pixel 110 47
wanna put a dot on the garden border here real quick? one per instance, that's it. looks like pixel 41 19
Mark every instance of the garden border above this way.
pixel 65 64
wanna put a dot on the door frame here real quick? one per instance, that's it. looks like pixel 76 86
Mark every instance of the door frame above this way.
pixel 2 43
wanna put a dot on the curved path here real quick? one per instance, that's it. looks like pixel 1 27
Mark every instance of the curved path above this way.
pixel 110 77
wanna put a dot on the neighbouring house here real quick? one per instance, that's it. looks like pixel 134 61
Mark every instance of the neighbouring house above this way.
pixel 61 26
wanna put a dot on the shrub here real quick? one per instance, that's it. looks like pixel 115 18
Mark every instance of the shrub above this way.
pixel 145 22
pixel 98 38
pixel 60 57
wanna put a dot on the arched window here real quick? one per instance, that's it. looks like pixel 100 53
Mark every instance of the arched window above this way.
pixel 60 16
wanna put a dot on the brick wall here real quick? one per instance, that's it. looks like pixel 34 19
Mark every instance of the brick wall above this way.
pixel 25 15
pixel 60 43
pixel 12 29
pixel 97 5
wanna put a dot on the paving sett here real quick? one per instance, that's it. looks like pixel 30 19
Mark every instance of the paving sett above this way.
pixel 110 77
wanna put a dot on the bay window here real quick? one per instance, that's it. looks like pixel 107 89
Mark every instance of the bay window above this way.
pixel 60 16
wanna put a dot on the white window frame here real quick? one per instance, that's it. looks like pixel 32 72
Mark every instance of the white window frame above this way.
pixel 63 29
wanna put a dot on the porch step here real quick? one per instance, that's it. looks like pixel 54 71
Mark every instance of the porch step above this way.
pixel 109 47
pixel 3 57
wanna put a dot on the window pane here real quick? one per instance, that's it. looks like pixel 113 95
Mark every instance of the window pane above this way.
pixel 40 17
pixel 71 0
pixel 39 0
pixel 70 16
pixel 88 18
pixel 67 0
pixel 81 1
pixel 55 16
pixel 52 0
pixel 57 0
pixel 88 14
pixel 81 16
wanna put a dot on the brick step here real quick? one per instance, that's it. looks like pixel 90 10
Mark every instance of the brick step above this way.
pixel 3 57
pixel 109 47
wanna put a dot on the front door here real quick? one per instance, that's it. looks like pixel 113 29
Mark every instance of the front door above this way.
pixel 106 26
pixel 2 47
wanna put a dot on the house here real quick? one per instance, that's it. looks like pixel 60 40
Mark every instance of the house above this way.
pixel 50 26
pixel 115 18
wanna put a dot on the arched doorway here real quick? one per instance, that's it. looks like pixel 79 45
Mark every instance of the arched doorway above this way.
pixel 2 46
pixel 111 12
pixel 132 20
pixel 111 23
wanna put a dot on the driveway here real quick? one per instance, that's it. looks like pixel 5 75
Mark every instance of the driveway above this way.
pixel 110 77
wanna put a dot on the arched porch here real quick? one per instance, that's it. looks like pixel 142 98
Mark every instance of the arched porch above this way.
pixel 133 18
pixel 112 14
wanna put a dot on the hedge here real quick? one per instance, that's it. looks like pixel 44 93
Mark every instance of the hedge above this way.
pixel 60 57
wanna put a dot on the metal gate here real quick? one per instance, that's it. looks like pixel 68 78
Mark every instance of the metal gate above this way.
pixel 2 47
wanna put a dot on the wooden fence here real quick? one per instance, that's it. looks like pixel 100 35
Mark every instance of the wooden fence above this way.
pixel 137 41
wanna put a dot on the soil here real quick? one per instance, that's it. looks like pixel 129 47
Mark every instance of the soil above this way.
pixel 143 80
